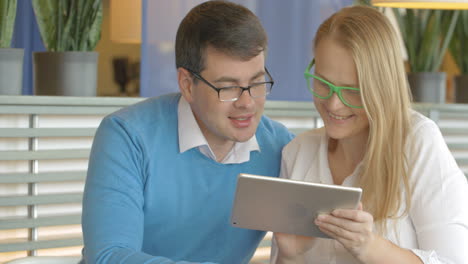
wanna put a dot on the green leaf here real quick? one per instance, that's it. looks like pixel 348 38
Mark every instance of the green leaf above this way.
pixel 7 21
pixel 446 37
pixel 46 12
pixel 426 35
pixel 67 37
pixel 459 42
pixel 431 41
pixel 94 34
pixel 69 25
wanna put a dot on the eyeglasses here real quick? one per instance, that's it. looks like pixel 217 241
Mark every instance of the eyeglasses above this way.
pixel 233 93
pixel 324 90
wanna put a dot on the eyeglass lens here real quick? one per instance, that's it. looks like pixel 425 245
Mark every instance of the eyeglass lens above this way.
pixel 351 97
pixel 233 93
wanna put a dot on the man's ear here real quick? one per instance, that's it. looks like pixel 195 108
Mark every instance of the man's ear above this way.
pixel 184 78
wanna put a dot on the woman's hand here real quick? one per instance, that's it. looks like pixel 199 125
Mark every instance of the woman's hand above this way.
pixel 291 248
pixel 352 228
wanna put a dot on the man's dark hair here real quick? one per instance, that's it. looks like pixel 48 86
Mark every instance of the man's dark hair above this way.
pixel 227 27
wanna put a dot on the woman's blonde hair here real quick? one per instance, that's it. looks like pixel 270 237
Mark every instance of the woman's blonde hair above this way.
pixel 373 44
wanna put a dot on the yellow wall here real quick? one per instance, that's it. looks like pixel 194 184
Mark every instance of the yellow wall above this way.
pixel 107 50
pixel 450 67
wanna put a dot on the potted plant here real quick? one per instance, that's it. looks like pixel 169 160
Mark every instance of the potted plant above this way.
pixel 426 34
pixel 11 60
pixel 70 30
pixel 458 48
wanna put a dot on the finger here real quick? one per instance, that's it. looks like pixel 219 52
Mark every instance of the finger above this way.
pixel 328 232
pixel 341 223
pixel 347 243
pixel 336 232
pixel 360 207
pixel 354 215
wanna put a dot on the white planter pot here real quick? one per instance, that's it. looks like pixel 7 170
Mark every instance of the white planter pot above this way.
pixel 428 87
pixel 11 71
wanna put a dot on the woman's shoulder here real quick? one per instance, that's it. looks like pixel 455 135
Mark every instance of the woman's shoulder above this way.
pixel 308 141
pixel 310 136
pixel 303 153
pixel 421 123
pixel 424 132
pixel 428 152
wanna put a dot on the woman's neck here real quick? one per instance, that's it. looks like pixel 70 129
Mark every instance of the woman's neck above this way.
pixel 344 155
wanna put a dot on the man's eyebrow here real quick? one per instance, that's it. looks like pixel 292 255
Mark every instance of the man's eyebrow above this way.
pixel 226 79
pixel 234 80
pixel 259 74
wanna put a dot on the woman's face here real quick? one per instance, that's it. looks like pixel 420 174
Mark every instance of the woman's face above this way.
pixel 335 64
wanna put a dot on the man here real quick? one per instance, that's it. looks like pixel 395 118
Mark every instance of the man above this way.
pixel 162 173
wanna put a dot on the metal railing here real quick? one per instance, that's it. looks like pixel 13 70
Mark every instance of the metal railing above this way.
pixel 41 138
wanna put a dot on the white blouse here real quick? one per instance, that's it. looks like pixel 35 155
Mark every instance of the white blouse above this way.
pixel 436 228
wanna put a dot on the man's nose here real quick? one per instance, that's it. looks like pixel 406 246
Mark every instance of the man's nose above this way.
pixel 244 99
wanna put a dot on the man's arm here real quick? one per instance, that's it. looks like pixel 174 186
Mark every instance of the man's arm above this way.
pixel 113 216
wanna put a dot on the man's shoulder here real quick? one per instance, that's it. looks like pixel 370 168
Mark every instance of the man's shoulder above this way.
pixel 148 110
pixel 146 117
pixel 273 130
pixel 267 125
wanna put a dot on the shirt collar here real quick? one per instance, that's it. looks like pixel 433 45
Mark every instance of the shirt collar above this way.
pixel 190 136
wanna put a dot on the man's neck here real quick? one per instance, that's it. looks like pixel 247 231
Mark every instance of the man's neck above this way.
pixel 221 150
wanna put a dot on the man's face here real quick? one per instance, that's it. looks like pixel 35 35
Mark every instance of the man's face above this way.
pixel 225 122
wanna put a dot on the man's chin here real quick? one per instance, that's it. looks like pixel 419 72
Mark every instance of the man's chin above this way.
pixel 244 138
pixel 244 134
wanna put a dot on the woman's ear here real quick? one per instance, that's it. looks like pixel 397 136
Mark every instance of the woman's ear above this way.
pixel 185 81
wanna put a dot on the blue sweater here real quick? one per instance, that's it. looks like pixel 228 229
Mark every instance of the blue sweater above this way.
pixel 145 202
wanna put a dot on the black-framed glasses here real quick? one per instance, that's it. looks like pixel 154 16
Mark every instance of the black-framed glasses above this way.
pixel 324 89
pixel 232 93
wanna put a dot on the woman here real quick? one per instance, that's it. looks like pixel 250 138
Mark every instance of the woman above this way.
pixel 414 205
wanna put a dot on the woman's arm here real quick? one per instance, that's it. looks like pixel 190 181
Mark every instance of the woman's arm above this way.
pixel 439 205
pixel 291 249
pixel 288 248
pixel 439 212
pixel 354 230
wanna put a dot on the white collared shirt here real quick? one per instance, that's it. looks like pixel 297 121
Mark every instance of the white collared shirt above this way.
pixel 436 226
pixel 190 136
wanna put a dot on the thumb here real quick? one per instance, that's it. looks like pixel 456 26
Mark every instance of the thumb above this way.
pixel 360 207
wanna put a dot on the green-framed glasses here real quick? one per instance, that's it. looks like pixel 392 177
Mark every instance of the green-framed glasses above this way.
pixel 323 89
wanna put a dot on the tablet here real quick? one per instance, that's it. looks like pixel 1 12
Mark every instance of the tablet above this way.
pixel 287 206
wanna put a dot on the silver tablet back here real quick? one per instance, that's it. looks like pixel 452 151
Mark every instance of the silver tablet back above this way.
pixel 287 206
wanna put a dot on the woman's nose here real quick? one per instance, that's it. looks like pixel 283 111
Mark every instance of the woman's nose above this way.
pixel 334 102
